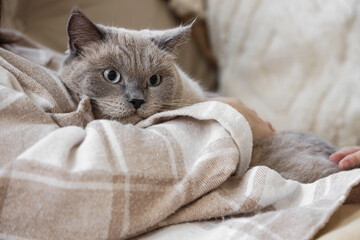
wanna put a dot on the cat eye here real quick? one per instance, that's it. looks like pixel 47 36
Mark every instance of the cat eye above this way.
pixel 154 80
pixel 112 76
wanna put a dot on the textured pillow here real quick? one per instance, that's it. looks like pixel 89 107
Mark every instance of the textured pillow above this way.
pixel 297 63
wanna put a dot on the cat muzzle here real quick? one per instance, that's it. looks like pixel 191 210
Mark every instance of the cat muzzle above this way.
pixel 136 102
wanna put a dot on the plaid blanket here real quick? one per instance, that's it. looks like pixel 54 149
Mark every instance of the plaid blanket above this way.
pixel 64 175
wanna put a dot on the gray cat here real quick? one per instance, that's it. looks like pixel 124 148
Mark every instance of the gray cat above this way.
pixel 130 75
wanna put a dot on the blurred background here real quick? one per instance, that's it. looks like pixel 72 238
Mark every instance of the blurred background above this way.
pixel 295 62
pixel 44 21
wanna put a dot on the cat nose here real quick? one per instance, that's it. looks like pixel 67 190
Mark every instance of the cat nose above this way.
pixel 136 102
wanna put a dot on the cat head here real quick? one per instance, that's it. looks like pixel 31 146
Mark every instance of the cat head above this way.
pixel 128 75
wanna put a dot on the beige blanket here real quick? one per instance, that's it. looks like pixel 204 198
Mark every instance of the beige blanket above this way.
pixel 64 175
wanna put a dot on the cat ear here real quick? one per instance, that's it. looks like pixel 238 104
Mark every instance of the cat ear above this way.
pixel 81 31
pixel 168 40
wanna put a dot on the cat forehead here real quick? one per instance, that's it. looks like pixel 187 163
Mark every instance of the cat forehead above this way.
pixel 131 51
pixel 132 38
pixel 135 44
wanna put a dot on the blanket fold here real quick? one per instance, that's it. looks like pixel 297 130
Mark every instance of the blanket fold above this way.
pixel 136 176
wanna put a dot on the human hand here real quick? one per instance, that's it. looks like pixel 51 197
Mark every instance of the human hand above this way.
pixel 347 157
pixel 259 127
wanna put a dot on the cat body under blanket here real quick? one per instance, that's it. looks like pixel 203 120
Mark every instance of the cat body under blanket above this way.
pixel 130 75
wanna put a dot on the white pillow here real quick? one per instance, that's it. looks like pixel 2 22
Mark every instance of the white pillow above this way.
pixel 297 63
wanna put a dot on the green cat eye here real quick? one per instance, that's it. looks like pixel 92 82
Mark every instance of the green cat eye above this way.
pixel 154 80
pixel 112 76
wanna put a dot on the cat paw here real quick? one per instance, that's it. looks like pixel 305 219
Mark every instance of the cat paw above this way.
pixel 347 158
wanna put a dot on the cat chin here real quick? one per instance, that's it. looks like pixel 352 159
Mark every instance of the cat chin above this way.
pixel 136 116
pixel 131 119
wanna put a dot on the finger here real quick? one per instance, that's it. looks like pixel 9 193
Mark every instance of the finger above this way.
pixel 336 157
pixel 350 161
pixel 340 154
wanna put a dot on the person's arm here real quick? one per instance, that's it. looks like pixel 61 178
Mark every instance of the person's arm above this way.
pixel 347 157
pixel 259 127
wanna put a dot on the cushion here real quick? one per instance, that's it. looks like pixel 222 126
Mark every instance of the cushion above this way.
pixel 295 62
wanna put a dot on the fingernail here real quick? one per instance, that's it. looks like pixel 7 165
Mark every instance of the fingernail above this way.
pixel 344 165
